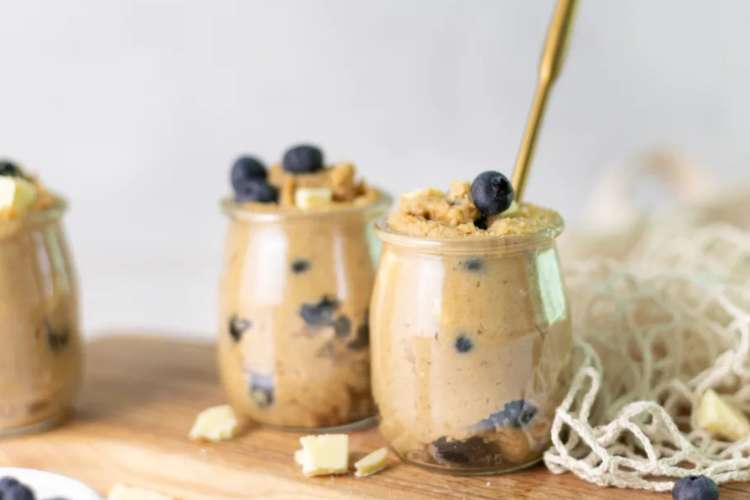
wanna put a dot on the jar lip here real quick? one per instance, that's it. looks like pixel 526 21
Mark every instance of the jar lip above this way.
pixel 246 213
pixel 470 244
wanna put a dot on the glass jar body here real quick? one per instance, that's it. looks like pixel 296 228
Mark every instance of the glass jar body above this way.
pixel 470 351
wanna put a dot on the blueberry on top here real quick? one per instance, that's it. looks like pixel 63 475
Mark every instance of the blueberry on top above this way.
pixel 9 169
pixel 303 159
pixel 246 169
pixel 695 488
pixel 492 193
pixel 18 492
pixel 257 190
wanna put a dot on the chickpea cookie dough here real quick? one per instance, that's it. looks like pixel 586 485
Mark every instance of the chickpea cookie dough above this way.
pixel 295 292
pixel 471 336
pixel 40 351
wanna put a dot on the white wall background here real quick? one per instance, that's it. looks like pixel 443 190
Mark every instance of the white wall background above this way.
pixel 135 108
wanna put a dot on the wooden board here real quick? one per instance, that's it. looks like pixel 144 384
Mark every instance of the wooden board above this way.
pixel 139 401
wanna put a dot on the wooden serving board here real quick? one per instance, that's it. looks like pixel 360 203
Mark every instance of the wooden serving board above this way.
pixel 139 401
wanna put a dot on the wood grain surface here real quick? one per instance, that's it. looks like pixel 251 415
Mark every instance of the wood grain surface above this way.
pixel 139 401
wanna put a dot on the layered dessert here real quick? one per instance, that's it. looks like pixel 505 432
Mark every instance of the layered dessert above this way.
pixel 40 351
pixel 470 328
pixel 295 291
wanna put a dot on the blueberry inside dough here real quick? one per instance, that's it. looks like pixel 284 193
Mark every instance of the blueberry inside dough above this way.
pixel 463 344
pixel 57 339
pixel 238 326
pixel 473 264
pixel 262 389
pixel 517 413
pixel 300 265
pixel 467 451
pixel 321 313
pixel 362 339
pixel 342 326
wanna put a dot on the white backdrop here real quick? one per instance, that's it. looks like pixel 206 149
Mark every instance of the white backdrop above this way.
pixel 135 108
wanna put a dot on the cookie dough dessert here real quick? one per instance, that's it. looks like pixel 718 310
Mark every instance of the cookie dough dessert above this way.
pixel 295 292
pixel 470 328
pixel 40 349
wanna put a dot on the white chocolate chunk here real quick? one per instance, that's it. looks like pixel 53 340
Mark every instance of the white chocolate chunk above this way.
pixel 122 492
pixel 372 463
pixel 324 454
pixel 299 458
pixel 312 197
pixel 16 194
pixel 720 418
pixel 215 424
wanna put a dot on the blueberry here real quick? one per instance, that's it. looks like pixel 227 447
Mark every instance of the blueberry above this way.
pixel 463 344
pixel 256 190
pixel 474 264
pixel 6 482
pixel 300 265
pixel 56 339
pixel 481 223
pixel 237 327
pixel 362 339
pixel 468 451
pixel 695 488
pixel 492 193
pixel 261 389
pixel 9 169
pixel 342 326
pixel 517 413
pixel 303 159
pixel 246 169
pixel 18 492
pixel 320 314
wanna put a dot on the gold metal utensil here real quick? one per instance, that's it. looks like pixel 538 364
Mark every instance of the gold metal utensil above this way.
pixel 549 67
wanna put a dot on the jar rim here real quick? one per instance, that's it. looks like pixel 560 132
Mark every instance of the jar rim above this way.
pixel 246 213
pixel 471 244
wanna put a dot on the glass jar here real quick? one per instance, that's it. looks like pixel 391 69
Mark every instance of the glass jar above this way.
pixel 40 343
pixel 471 345
pixel 294 336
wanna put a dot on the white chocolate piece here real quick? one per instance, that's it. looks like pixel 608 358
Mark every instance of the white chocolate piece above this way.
pixel 122 492
pixel 720 418
pixel 306 198
pixel 215 424
pixel 324 454
pixel 372 463
pixel 16 194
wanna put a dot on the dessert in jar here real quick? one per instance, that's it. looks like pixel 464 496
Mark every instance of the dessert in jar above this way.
pixel 295 291
pixel 470 328
pixel 40 346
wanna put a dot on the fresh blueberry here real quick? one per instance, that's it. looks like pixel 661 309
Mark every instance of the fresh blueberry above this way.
pixel 473 264
pixel 469 451
pixel 256 190
pixel 481 223
pixel 18 492
pixel 362 339
pixel 300 265
pixel 492 193
pixel 463 344
pixel 9 169
pixel 237 327
pixel 246 169
pixel 342 326
pixel 320 314
pixel 56 339
pixel 6 482
pixel 695 488
pixel 517 413
pixel 303 159
pixel 262 389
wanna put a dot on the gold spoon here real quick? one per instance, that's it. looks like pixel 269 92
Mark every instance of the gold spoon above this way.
pixel 549 68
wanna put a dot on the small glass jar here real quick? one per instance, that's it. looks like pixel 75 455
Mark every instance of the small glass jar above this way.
pixel 294 335
pixel 40 343
pixel 471 345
